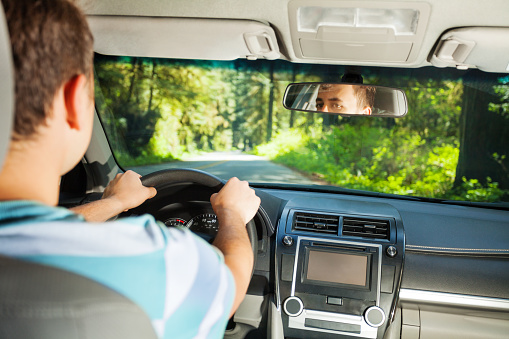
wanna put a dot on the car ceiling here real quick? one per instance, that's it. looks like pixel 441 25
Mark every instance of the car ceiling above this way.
pixel 443 16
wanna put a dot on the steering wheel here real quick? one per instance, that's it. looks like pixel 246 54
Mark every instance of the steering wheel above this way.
pixel 165 182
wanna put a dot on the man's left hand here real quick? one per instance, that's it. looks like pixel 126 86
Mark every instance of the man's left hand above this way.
pixel 128 191
pixel 122 193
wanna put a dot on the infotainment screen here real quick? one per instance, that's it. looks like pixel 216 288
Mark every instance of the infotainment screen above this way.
pixel 337 268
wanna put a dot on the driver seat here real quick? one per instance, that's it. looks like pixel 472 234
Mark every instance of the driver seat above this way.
pixel 38 301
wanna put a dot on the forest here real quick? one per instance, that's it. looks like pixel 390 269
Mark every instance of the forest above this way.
pixel 451 145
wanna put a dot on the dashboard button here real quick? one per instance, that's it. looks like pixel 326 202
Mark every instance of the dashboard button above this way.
pixel 293 306
pixel 335 301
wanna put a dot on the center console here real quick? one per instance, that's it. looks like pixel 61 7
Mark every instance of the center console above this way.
pixel 338 273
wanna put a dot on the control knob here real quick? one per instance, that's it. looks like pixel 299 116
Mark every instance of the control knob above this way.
pixel 374 316
pixel 391 251
pixel 287 241
pixel 293 306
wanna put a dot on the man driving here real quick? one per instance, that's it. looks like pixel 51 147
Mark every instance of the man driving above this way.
pixel 345 99
pixel 187 287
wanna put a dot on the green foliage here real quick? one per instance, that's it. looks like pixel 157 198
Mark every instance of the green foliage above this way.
pixel 156 111
pixel 128 97
pixel 165 108
pixel 353 158
pixel 434 106
pixel 285 142
pixel 473 190
pixel 502 91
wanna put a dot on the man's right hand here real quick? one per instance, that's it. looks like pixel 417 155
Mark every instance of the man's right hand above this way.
pixel 235 205
pixel 235 202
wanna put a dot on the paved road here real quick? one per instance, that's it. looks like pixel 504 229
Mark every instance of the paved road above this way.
pixel 229 164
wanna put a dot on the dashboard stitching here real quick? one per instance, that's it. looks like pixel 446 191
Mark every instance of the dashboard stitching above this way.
pixel 456 249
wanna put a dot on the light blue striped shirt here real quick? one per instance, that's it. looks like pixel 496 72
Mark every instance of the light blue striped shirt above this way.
pixel 179 280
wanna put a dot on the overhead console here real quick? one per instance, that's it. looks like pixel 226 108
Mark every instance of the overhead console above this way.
pixel 338 274
pixel 367 31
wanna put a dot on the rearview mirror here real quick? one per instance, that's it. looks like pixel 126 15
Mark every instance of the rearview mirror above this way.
pixel 346 99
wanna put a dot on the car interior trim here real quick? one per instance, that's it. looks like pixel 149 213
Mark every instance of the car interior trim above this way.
pixel 100 157
pixel 457 251
pixel 327 322
pixel 450 299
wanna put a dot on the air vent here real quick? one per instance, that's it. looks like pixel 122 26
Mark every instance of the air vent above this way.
pixel 366 228
pixel 321 223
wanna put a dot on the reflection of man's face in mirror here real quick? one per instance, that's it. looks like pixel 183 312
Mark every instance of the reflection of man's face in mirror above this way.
pixel 345 99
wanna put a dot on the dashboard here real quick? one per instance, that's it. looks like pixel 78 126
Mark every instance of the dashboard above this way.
pixel 348 266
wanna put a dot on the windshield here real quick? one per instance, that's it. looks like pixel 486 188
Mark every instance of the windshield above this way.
pixel 227 118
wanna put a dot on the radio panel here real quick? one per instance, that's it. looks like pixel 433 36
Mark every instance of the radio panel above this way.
pixel 334 287
pixel 334 282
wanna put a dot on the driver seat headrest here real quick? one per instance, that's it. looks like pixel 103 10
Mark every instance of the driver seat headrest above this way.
pixel 6 88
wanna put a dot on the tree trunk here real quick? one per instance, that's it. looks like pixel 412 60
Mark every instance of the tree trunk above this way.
pixel 271 103
pixel 483 133
pixel 149 108
pixel 133 79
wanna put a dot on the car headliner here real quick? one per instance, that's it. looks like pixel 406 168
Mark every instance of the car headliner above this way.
pixel 444 15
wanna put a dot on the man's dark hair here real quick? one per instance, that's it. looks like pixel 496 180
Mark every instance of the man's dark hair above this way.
pixel 51 43
pixel 365 96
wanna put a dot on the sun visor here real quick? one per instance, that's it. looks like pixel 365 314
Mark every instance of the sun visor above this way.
pixel 486 48
pixel 367 31
pixel 182 38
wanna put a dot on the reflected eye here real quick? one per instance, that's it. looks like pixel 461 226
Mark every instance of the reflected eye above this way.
pixel 319 105
pixel 337 106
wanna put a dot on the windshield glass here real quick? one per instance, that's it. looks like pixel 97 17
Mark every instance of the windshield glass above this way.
pixel 227 118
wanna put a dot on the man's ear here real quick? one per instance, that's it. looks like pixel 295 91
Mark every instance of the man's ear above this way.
pixel 76 94
pixel 366 110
